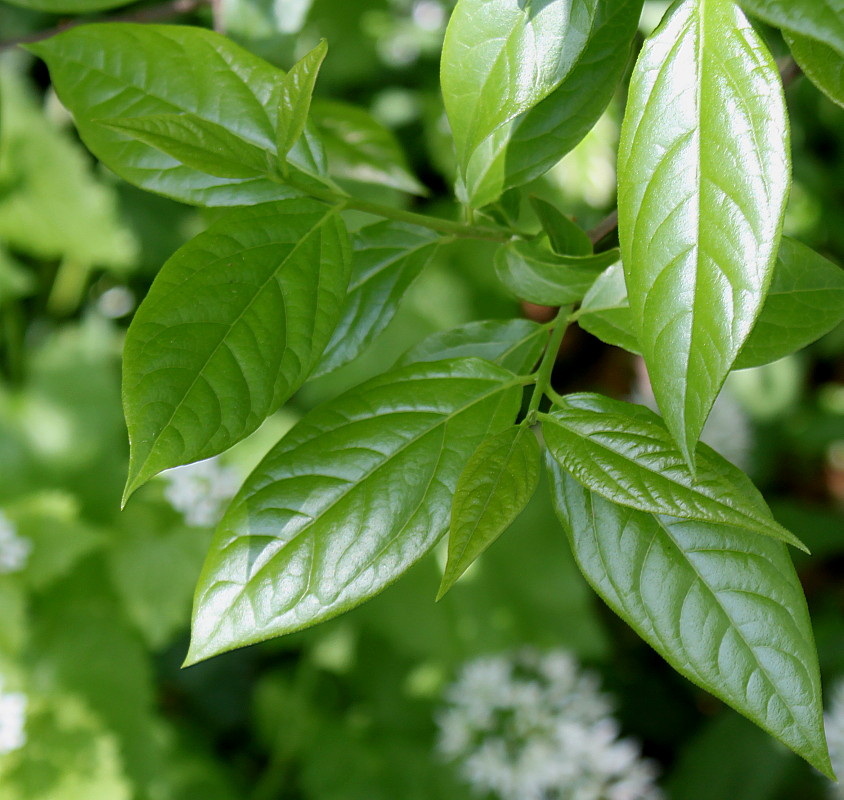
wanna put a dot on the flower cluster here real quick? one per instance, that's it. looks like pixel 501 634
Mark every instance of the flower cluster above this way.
pixel 535 726
pixel 12 720
pixel 834 724
pixel 200 491
pixel 14 549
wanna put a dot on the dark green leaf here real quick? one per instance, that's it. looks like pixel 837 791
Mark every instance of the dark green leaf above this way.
pixel 387 258
pixel 297 88
pixel 494 487
pixel 500 58
pixel 805 301
pixel 703 179
pixel 624 453
pixel 360 149
pixel 823 65
pixel 565 237
pixel 822 21
pixel 515 344
pixel 355 494
pixel 197 143
pixel 724 607
pixel 118 70
pixel 231 327
pixel 543 135
pixel 533 273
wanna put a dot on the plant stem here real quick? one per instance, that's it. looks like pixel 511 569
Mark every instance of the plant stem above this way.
pixel 546 366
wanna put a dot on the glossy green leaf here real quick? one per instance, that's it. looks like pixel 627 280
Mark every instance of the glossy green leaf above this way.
pixel 624 453
pixel 822 64
pixel 197 143
pixel 118 70
pixel 533 273
pixel 515 344
pixel 703 178
pixel 822 20
pixel 361 149
pixel 724 607
pixel 354 495
pixel 565 236
pixel 805 301
pixel 231 327
pixel 494 488
pixel 297 88
pixel 543 135
pixel 500 58
pixel 386 259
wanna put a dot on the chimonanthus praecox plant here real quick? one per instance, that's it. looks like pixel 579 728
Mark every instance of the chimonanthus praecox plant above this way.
pixel 672 536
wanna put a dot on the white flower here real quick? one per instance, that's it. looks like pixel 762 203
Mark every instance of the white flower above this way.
pixel 536 727
pixel 12 720
pixel 200 491
pixel 14 549
pixel 834 724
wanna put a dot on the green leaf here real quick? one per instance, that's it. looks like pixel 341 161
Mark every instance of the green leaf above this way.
pixel 565 237
pixel 605 310
pixel 722 606
pixel 624 453
pixel 500 58
pixel 231 327
pixel 703 178
pixel 197 143
pixel 822 64
pixel 297 88
pixel 118 70
pixel 533 273
pixel 805 301
pixel 387 258
pixel 822 21
pixel 515 344
pixel 354 495
pixel 543 135
pixel 69 6
pixel 494 488
pixel 361 149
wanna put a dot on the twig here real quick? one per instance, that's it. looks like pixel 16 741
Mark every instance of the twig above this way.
pixel 789 71
pixel 174 8
pixel 604 228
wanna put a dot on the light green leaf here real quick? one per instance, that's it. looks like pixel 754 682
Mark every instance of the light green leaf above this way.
pixel 361 149
pixel 515 344
pixel 386 259
pixel 805 301
pixel 494 488
pixel 822 64
pixel 624 453
pixel 533 273
pixel 118 70
pixel 543 135
pixel 565 237
pixel 197 143
pixel 297 88
pixel 231 327
pixel 724 607
pixel 354 495
pixel 500 58
pixel 703 178
pixel 822 21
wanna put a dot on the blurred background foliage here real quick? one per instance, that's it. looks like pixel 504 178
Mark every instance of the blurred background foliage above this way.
pixel 95 604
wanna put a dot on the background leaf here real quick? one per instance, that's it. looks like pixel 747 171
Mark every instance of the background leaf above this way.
pixel 495 486
pixel 821 63
pixel 724 607
pixel 165 69
pixel 624 453
pixel 823 21
pixel 386 259
pixel 703 178
pixel 69 6
pixel 348 501
pixel 566 237
pixel 235 320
